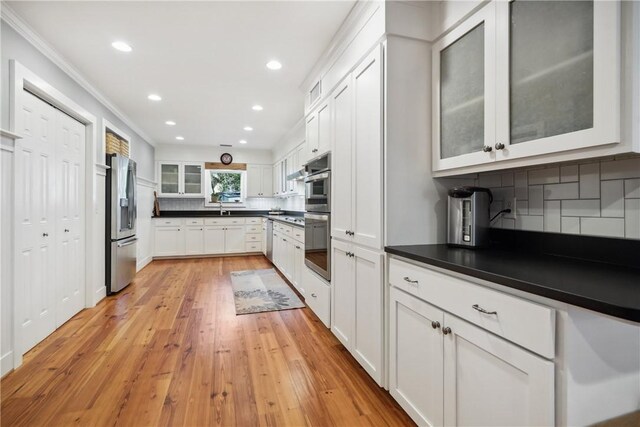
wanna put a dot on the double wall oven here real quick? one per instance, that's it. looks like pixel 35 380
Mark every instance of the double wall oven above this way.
pixel 317 219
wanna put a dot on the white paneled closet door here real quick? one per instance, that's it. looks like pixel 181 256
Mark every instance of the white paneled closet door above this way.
pixel 49 204
pixel 70 144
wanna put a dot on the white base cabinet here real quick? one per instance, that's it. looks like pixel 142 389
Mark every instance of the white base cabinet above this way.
pixel 206 236
pixel 288 253
pixel 356 300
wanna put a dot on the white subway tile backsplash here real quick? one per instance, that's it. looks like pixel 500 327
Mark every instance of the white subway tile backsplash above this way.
pixel 609 227
pixel 632 188
pixel 544 176
pixel 521 185
pixel 570 225
pixel 530 223
pixel 569 173
pixel 596 197
pixel 535 200
pixel 561 191
pixel 490 180
pixel 590 181
pixel 612 200
pixel 581 208
pixel 507 179
pixel 632 218
pixel 621 169
pixel 552 216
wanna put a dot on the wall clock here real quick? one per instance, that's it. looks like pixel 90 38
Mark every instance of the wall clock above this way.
pixel 226 159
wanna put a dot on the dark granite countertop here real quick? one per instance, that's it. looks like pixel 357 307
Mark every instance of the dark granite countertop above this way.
pixel 603 287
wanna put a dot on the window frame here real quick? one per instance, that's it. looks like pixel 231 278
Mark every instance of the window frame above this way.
pixel 243 188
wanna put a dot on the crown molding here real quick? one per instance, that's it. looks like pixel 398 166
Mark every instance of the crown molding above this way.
pixel 11 18
pixel 146 182
pixel 352 24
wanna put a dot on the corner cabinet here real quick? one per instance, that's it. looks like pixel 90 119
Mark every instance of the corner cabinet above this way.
pixel 181 179
pixel 505 88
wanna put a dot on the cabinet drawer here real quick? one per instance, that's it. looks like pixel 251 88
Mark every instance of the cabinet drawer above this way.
pixel 195 221
pixel 255 220
pixel 223 221
pixel 168 222
pixel 255 237
pixel 298 234
pixel 523 322
pixel 253 247
pixel 253 228
pixel 317 296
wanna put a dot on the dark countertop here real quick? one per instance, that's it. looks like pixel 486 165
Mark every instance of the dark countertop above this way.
pixel 233 213
pixel 602 287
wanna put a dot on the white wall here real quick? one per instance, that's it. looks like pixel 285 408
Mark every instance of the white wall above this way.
pixel 291 140
pixel 6 255
pixel 199 153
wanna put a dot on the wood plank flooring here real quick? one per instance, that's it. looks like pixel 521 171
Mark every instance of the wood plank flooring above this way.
pixel 169 350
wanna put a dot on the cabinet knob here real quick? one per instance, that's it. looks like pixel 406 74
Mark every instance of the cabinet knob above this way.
pixel 446 330
pixel 487 149
pixel 45 234
pixel 66 230
pixel 435 325
pixel 499 146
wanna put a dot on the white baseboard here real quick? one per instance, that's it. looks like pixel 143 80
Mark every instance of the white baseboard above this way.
pixel 142 263
pixel 100 294
pixel 6 363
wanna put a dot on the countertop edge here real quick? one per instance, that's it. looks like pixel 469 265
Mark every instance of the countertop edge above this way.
pixel 626 313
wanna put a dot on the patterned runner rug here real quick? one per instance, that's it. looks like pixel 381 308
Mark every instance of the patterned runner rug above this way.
pixel 255 291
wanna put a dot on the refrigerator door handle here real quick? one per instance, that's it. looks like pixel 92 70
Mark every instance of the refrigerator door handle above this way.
pixel 127 242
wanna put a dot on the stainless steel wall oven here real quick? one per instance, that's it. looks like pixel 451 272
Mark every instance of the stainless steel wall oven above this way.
pixel 317 219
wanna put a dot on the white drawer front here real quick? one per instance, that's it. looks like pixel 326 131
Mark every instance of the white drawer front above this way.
pixel 168 222
pixel 255 220
pixel 195 221
pixel 254 237
pixel 523 322
pixel 253 228
pixel 224 221
pixel 317 296
pixel 253 247
pixel 298 234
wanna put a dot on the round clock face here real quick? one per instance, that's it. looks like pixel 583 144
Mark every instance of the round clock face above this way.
pixel 226 159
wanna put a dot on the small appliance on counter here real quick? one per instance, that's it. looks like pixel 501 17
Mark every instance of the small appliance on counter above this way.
pixel 468 219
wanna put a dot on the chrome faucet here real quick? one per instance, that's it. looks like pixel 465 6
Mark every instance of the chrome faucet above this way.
pixel 222 211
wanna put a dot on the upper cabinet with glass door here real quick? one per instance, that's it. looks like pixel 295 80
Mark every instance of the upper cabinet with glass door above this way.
pixel 551 82
pixel 180 179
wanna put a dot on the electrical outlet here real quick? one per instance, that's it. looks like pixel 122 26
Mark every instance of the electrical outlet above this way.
pixel 510 204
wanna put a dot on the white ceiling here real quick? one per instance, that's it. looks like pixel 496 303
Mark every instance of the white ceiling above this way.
pixel 206 59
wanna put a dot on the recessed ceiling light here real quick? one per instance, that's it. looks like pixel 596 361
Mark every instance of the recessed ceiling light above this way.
pixel 248 128
pixel 274 65
pixel 257 107
pixel 154 97
pixel 180 138
pixel 170 123
pixel 242 141
pixel 121 46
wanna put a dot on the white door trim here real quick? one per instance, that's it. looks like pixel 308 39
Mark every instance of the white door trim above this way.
pixel 22 78
pixel 107 125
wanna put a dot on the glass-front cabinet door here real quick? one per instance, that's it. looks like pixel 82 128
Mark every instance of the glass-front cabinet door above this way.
pixel 193 179
pixel 524 78
pixel 463 100
pixel 169 179
pixel 558 81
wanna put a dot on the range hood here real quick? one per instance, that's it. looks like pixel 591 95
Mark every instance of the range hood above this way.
pixel 297 175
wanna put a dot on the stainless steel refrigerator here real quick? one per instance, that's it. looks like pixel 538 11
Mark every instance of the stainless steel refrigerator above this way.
pixel 121 216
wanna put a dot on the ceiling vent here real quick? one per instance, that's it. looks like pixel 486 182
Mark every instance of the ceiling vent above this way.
pixel 226 145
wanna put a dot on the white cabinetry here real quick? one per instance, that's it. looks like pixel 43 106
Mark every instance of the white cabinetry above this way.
pixel 357 167
pixel 259 181
pixel 214 239
pixel 169 240
pixel 356 301
pixel 234 239
pixel 180 179
pixel 504 90
pixel 194 239
pixel 447 371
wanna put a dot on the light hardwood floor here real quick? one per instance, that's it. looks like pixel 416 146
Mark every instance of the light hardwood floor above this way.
pixel 169 350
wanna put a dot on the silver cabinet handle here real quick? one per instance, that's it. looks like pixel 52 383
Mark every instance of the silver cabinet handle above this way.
pixel 408 280
pixel 482 310
pixel 435 325
pixel 446 330
pixel 314 295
